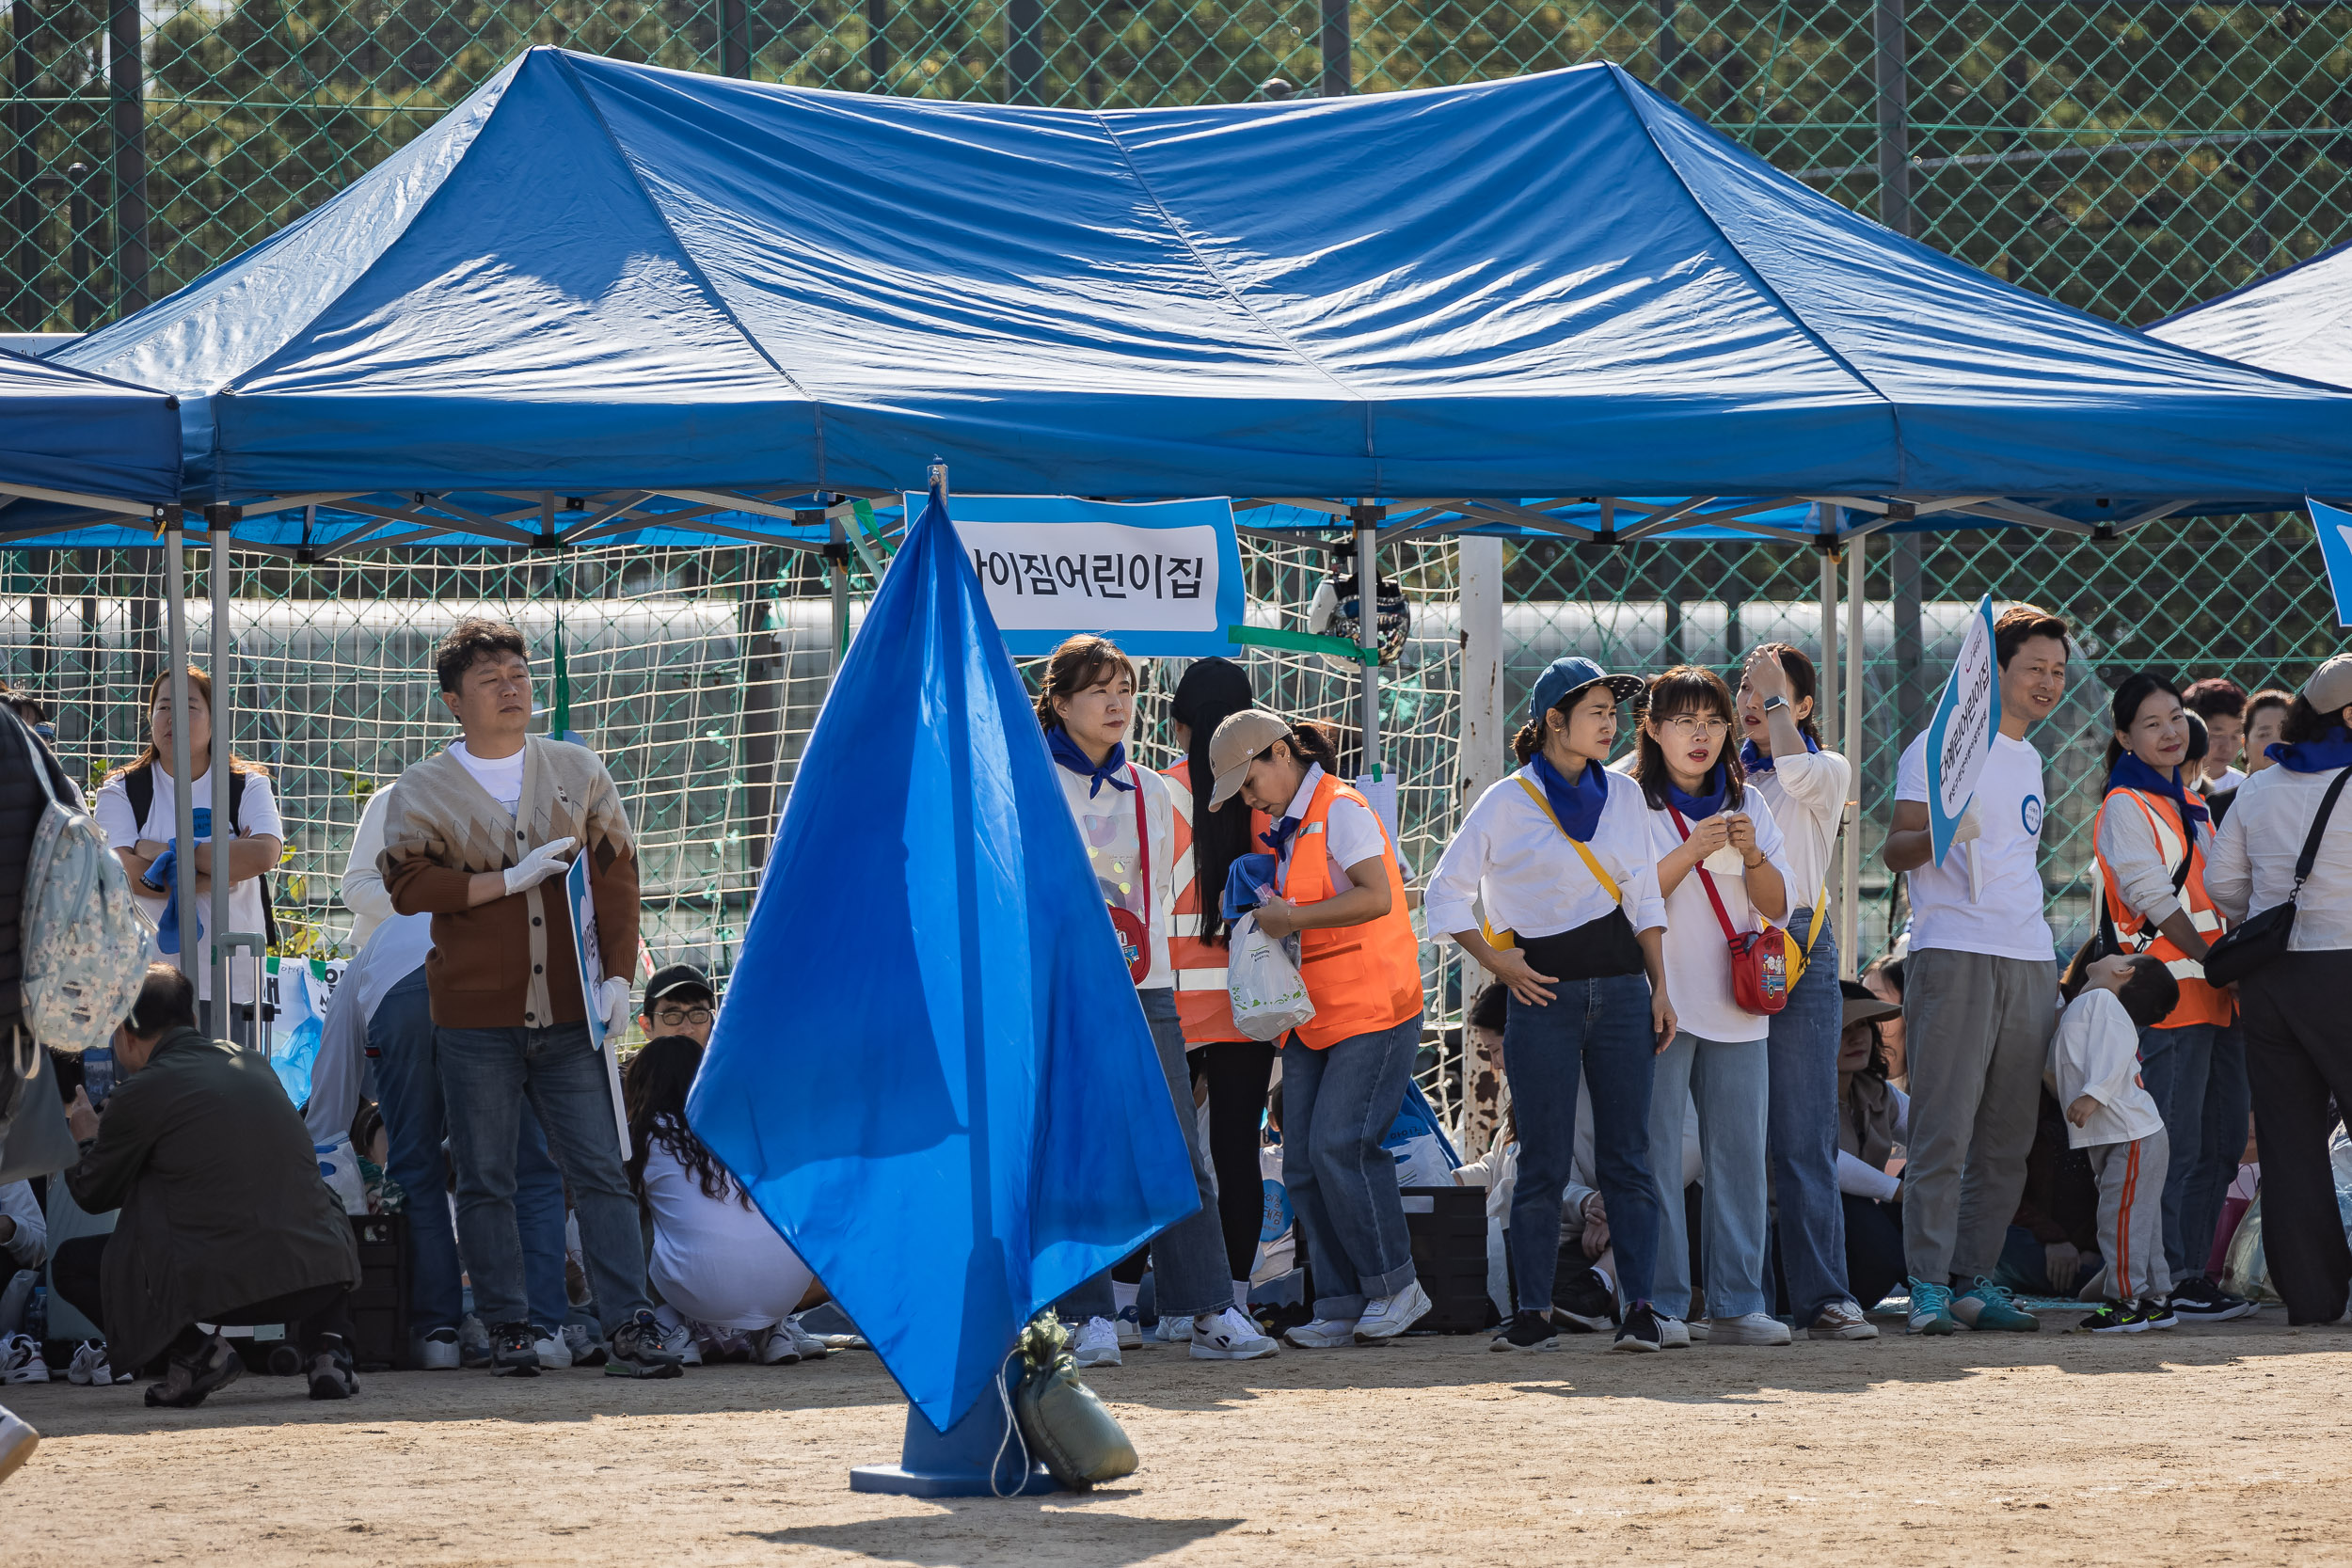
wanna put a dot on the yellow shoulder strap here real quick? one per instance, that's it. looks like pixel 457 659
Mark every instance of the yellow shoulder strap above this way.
pixel 1591 864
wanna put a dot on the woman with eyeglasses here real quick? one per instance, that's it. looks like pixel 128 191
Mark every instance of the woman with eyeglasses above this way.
pixel 1724 873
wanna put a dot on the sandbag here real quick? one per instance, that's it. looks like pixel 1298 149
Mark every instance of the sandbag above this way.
pixel 1064 1424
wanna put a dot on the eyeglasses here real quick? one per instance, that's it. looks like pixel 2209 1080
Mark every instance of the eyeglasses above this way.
pixel 1690 728
pixel 671 1016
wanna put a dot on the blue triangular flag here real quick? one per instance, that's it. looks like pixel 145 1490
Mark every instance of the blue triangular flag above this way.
pixel 2335 526
pixel 931 1072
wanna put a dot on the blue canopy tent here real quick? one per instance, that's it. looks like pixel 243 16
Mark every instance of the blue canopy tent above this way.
pixel 2294 323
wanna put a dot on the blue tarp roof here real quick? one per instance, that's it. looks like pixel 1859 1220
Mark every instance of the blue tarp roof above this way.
pixel 83 440
pixel 2298 321
pixel 595 277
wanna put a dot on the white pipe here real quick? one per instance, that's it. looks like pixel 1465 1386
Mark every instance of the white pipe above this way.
pixel 1486 725
pixel 1825 699
pixel 224 786
pixel 183 801
pixel 1849 910
pixel 1368 637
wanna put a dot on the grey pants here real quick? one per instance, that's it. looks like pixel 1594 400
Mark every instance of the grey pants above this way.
pixel 2131 1217
pixel 1977 1032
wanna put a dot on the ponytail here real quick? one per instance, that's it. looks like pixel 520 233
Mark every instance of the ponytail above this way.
pixel 1525 744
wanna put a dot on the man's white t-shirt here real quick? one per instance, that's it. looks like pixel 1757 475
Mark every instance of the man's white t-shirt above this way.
pixel 502 777
pixel 257 815
pixel 2007 921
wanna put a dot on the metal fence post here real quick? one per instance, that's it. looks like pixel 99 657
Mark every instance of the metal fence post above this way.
pixel 877 40
pixel 1338 48
pixel 1892 48
pixel 735 43
pixel 1024 64
pixel 127 75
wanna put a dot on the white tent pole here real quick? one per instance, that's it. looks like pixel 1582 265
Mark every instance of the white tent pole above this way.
pixel 224 787
pixel 1849 911
pixel 1486 725
pixel 837 574
pixel 1825 708
pixel 184 803
pixel 1368 630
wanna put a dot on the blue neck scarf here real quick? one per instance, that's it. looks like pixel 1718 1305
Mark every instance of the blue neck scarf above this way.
pixel 2129 772
pixel 1066 752
pixel 2331 752
pixel 1756 762
pixel 1280 834
pixel 1577 802
pixel 1698 808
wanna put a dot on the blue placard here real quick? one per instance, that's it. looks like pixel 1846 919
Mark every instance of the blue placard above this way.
pixel 1961 736
pixel 2335 526
pixel 1160 578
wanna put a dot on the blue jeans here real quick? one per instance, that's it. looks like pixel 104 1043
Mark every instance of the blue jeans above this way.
pixel 487 1076
pixel 2175 1065
pixel 2228 1104
pixel 1188 1277
pixel 1600 1028
pixel 1730 1079
pixel 1337 1106
pixel 407 1079
pixel 1801 1132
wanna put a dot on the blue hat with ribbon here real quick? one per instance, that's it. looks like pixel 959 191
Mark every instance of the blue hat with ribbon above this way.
pixel 1565 678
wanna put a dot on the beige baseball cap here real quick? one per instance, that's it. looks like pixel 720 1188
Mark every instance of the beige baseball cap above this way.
pixel 1236 746
pixel 2330 690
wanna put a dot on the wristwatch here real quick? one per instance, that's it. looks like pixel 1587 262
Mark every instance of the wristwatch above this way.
pixel 1773 705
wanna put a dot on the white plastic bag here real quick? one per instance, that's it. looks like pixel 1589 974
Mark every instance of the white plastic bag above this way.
pixel 339 1168
pixel 1261 979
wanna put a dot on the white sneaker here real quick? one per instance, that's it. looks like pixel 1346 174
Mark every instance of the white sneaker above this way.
pixel 1699 1330
pixel 1230 1336
pixel 679 1336
pixel 90 1369
pixel 1753 1328
pixel 437 1351
pixel 17 1441
pixel 776 1348
pixel 1391 1316
pixel 1673 1333
pixel 1842 1320
pixel 1129 1328
pixel 1172 1331
pixel 20 1360
pixel 555 1352
pixel 809 1345
pixel 1098 1344
pixel 1322 1333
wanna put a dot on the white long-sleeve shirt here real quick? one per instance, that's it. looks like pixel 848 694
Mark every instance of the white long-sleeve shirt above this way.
pixel 2143 867
pixel 363 884
pixel 1508 852
pixel 2096 1053
pixel 29 1246
pixel 2251 865
pixel 1806 791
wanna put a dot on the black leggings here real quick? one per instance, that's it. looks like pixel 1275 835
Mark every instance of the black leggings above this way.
pixel 318 1311
pixel 1237 1073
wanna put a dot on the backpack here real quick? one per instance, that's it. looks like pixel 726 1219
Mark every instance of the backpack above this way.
pixel 139 784
pixel 85 938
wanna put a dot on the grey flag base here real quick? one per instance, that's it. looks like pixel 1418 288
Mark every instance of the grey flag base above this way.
pixel 980 1456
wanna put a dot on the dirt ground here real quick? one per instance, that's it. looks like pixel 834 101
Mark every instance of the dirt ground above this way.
pixel 2216 1445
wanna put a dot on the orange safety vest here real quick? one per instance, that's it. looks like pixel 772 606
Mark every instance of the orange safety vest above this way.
pixel 1203 1004
pixel 1361 979
pixel 2200 1002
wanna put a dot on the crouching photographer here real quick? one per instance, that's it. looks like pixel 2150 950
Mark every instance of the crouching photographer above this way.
pixel 224 1218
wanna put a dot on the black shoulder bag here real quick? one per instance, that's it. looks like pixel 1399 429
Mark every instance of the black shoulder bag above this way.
pixel 2263 937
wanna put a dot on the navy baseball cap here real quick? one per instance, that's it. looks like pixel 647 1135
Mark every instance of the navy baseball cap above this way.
pixel 1565 678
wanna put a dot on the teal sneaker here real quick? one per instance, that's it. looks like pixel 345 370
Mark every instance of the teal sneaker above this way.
pixel 1988 1308
pixel 1931 1309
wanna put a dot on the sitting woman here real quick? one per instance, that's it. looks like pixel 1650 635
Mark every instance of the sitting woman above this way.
pixel 716 1261
pixel 1873 1116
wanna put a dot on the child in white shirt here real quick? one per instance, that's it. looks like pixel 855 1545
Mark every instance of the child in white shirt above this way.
pixel 2095 1072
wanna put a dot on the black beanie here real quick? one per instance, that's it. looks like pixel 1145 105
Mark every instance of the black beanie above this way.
pixel 1212 689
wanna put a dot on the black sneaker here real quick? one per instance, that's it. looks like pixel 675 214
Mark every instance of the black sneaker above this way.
pixel 187 1379
pixel 2115 1317
pixel 1582 1303
pixel 638 1351
pixel 2201 1301
pixel 330 1370
pixel 1526 1331
pixel 1640 1331
pixel 2155 1313
pixel 514 1350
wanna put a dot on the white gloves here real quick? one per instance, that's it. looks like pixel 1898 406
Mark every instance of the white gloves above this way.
pixel 537 866
pixel 1970 825
pixel 613 1001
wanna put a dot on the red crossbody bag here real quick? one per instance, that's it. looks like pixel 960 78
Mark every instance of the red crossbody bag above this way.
pixel 1759 959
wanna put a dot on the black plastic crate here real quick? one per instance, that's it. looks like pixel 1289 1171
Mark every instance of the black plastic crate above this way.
pixel 379 1306
pixel 1448 1229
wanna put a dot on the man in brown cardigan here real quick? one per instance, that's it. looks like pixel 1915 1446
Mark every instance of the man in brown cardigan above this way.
pixel 479 837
